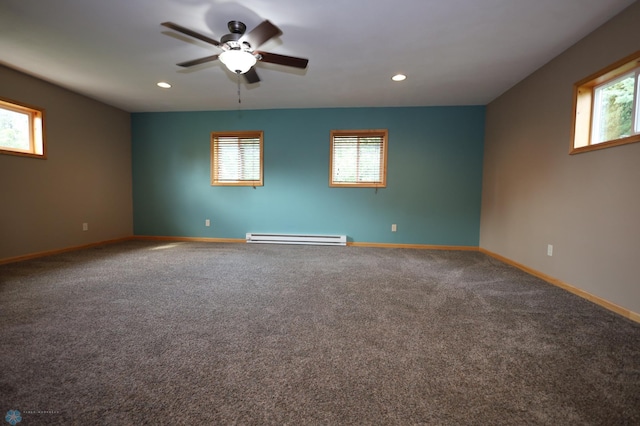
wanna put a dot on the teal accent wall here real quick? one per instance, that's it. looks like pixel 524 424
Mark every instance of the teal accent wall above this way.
pixel 434 176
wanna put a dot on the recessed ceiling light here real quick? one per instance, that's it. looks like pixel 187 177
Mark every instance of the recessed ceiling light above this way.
pixel 399 77
pixel 164 85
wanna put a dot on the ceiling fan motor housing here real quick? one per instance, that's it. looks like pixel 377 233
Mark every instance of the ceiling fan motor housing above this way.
pixel 237 27
pixel 237 30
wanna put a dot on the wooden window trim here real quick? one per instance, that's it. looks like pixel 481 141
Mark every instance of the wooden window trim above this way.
pixel 583 100
pixel 384 133
pixel 37 144
pixel 236 134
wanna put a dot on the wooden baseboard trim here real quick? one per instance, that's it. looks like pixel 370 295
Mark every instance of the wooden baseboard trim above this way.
pixel 412 246
pixel 63 250
pixel 634 316
pixel 350 243
pixel 189 239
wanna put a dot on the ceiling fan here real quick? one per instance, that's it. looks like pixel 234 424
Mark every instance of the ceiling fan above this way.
pixel 238 48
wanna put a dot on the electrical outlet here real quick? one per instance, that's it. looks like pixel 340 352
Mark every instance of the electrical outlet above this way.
pixel 549 250
pixel 85 226
pixel 207 222
pixel 394 228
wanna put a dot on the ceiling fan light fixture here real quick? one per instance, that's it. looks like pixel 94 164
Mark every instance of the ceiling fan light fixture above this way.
pixel 238 61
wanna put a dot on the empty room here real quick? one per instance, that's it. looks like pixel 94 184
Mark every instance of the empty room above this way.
pixel 362 212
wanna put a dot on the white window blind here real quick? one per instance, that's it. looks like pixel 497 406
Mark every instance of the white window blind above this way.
pixel 358 158
pixel 237 158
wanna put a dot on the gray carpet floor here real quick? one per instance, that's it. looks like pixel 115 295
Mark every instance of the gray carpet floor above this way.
pixel 202 333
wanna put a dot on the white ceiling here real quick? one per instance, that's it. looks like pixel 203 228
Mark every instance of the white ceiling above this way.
pixel 454 52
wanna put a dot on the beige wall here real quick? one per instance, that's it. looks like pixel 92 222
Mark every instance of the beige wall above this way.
pixel 86 177
pixel 534 193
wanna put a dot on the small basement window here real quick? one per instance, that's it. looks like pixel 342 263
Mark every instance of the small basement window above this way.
pixel 21 129
pixel 606 107
pixel 236 158
pixel 358 158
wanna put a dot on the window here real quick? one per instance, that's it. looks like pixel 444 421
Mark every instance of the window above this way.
pixel 236 158
pixel 606 107
pixel 21 129
pixel 358 158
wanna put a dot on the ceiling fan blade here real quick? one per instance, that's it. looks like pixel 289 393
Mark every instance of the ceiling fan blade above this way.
pixel 251 76
pixel 198 61
pixel 191 33
pixel 260 34
pixel 289 61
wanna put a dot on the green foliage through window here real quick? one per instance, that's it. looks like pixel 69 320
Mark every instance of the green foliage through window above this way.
pixel 14 129
pixel 613 114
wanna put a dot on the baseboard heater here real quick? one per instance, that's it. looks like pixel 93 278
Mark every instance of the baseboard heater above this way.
pixel 309 239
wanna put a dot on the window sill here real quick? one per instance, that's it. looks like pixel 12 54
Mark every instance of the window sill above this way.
pixel 608 144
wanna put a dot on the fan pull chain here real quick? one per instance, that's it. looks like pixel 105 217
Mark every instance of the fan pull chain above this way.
pixel 239 101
